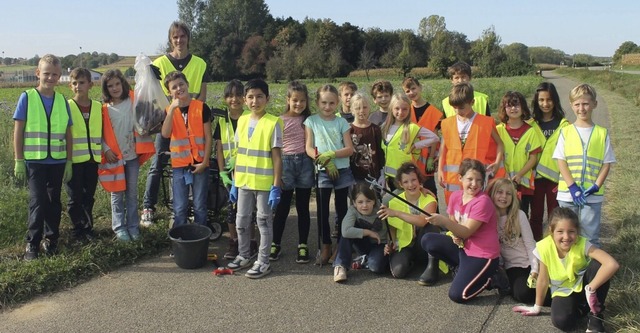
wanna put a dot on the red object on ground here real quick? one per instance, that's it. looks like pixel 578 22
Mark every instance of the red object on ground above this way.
pixel 222 271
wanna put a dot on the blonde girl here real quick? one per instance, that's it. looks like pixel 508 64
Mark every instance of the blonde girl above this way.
pixel 401 138
pixel 516 240
pixel 368 159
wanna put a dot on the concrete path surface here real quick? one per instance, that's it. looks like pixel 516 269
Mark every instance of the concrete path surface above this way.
pixel 157 296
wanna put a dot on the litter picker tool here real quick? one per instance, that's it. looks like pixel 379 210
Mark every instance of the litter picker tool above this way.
pixel 373 184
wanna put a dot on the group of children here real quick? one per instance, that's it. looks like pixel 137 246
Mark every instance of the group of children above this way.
pixel 265 159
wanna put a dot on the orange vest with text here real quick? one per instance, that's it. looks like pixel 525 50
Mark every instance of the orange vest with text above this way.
pixel 187 144
pixel 111 175
pixel 429 120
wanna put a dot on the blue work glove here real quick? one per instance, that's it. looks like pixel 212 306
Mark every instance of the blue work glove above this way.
pixel 577 194
pixel 274 196
pixel 68 172
pixel 20 170
pixel 233 193
pixel 226 180
pixel 591 190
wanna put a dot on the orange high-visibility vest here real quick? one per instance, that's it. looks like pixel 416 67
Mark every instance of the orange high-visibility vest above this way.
pixel 111 175
pixel 479 145
pixel 429 120
pixel 187 145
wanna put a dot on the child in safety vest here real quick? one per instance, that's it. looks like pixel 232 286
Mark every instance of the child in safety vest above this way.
pixel 516 240
pixel 188 125
pixel 460 72
pixel 381 92
pixel 257 179
pixel 346 90
pixel 226 152
pixel 467 135
pixel 123 152
pixel 87 151
pixel 428 116
pixel 584 156
pixel 368 159
pixel 522 145
pixel 328 143
pixel 43 155
pixel 402 140
pixel 407 226
pixel 473 250
pixel 577 271
pixel 297 172
pixel 548 119
pixel 362 229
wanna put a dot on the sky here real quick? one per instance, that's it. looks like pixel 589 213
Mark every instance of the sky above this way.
pixel 598 28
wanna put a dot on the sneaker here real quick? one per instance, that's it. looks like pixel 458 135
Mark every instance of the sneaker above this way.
pixel 500 281
pixel 50 247
pixel 135 237
pixel 238 263
pixel 253 249
pixel 275 252
pixel 258 270
pixel 335 233
pixel 595 323
pixel 30 252
pixel 303 254
pixel 148 215
pixel 123 236
pixel 339 274
pixel 232 250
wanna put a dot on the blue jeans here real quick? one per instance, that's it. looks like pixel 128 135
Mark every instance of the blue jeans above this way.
pixel 155 172
pixel 297 171
pixel 378 262
pixel 126 219
pixel 199 187
pixel 589 215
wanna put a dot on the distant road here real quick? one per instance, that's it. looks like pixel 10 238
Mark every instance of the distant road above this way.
pixel 602 68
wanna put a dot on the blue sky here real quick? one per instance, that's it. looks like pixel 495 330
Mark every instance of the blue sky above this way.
pixel 128 27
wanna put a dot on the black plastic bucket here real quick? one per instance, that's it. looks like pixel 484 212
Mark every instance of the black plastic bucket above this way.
pixel 190 243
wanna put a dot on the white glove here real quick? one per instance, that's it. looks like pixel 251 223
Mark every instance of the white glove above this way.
pixel 382 179
pixel 527 310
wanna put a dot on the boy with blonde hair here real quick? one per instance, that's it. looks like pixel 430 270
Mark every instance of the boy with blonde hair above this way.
pixel 584 171
pixel 86 114
pixel 460 72
pixel 381 91
pixel 43 152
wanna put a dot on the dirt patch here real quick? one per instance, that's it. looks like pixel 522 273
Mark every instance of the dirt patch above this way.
pixel 33 310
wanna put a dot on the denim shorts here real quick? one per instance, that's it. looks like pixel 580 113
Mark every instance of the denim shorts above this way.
pixel 344 180
pixel 297 171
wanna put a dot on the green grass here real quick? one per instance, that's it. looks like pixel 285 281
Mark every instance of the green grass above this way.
pixel 20 281
pixel 621 93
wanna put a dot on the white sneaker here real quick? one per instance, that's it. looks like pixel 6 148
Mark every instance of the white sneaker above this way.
pixel 258 270
pixel 339 274
pixel 146 220
pixel 238 263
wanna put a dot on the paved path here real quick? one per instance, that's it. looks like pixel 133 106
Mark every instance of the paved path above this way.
pixel 157 296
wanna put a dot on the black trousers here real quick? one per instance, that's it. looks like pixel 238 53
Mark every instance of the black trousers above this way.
pixel 81 190
pixel 45 208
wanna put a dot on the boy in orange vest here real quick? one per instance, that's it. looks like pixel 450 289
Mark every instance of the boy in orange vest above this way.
pixel 467 135
pixel 188 124
pixel 43 155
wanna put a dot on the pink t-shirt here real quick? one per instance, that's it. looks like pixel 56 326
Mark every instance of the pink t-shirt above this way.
pixel 484 242
pixel 293 139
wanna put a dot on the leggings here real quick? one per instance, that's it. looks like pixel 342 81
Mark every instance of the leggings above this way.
pixel 545 192
pixel 340 202
pixel 402 261
pixel 566 310
pixel 473 273
pixel 518 281
pixel 282 212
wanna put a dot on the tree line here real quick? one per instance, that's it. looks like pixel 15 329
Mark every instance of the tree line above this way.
pixel 241 39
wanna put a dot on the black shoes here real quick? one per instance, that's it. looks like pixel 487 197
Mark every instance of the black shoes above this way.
pixel 30 252
pixel 500 281
pixel 431 273
pixel 595 323
pixel 49 247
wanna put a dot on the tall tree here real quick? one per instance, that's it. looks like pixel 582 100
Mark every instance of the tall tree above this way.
pixel 447 48
pixel 487 53
pixel 430 26
pixel 625 48
pixel 367 61
pixel 517 51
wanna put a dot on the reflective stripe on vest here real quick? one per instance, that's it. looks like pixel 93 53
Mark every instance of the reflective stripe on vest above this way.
pixel 194 72
pixel 584 163
pixel 187 143
pixel 548 167
pixel 479 105
pixel 227 138
pixel 516 156
pixel 254 165
pixel 405 232
pixel 44 136
pixel 87 137
pixel 477 146
pixel 564 278
pixel 396 152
